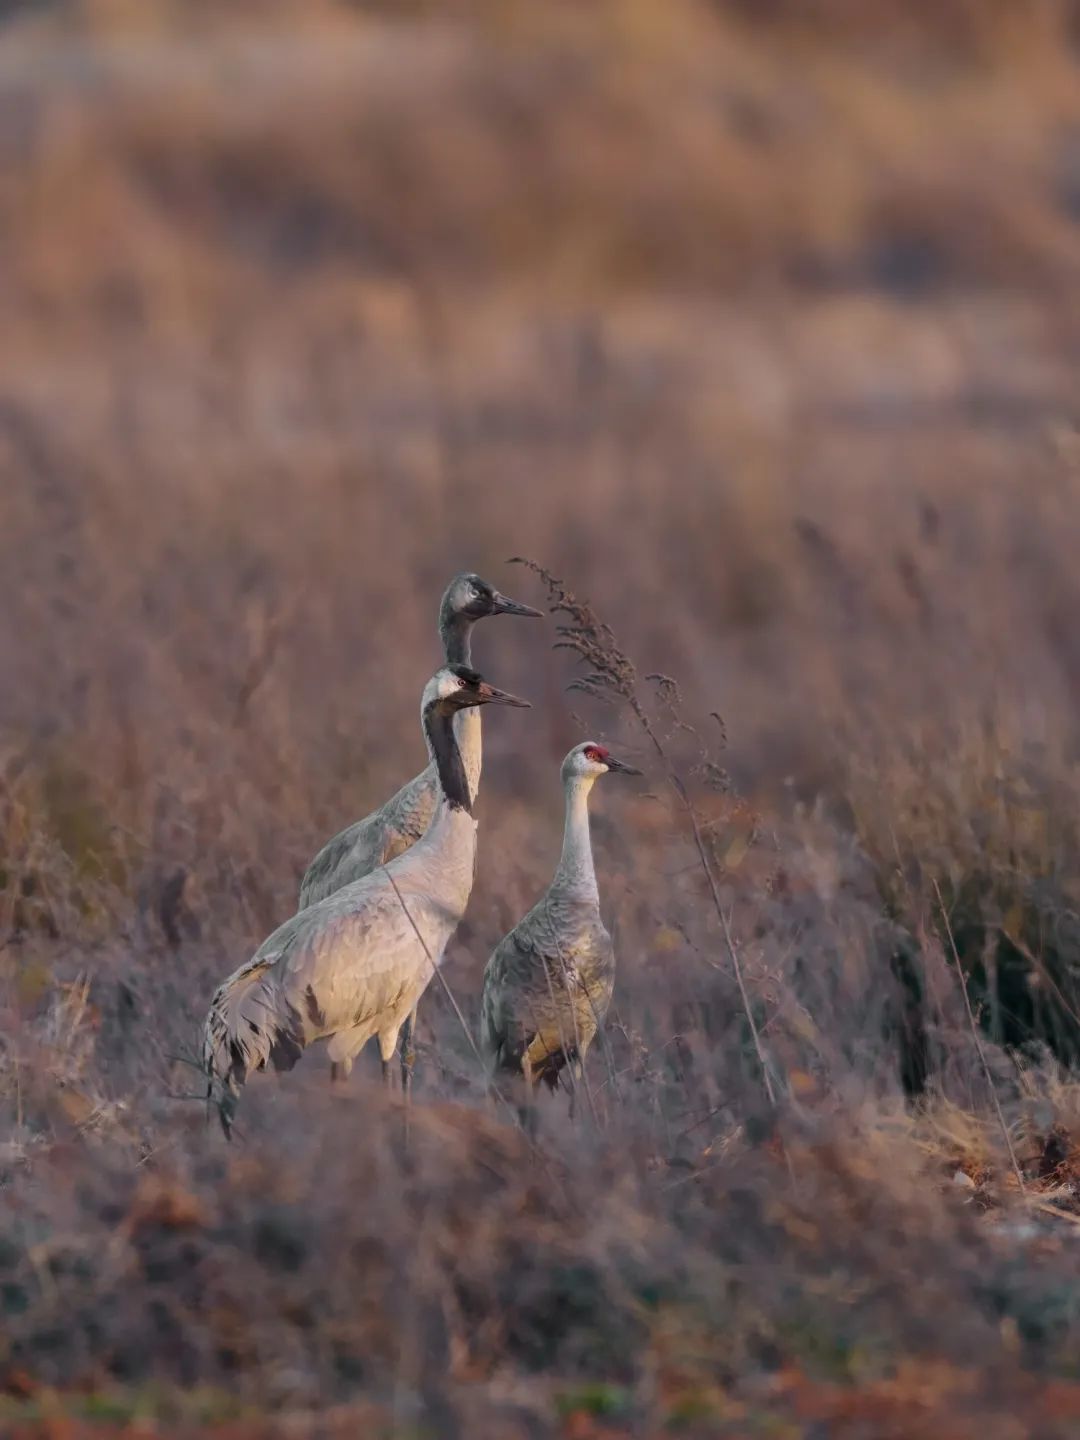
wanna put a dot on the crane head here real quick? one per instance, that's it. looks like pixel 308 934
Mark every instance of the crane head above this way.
pixel 469 597
pixel 592 760
pixel 456 687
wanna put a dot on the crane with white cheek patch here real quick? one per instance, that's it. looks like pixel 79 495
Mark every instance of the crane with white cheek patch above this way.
pixel 355 964
pixel 399 823
pixel 548 984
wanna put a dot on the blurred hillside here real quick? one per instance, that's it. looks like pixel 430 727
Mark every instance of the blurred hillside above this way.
pixel 758 322
pixel 677 281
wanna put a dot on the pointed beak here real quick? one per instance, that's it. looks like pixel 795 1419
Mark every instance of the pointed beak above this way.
pixel 621 766
pixel 505 606
pixel 490 696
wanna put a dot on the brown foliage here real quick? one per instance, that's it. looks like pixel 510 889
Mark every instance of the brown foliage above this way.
pixel 756 322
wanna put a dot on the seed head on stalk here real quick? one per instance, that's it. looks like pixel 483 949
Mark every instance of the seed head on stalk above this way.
pixel 611 677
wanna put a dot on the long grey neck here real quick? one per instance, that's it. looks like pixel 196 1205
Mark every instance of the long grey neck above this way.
pixel 575 869
pixel 454 790
pixel 455 632
pixel 456 636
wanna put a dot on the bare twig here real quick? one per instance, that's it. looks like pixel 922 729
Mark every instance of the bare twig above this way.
pixel 577 1028
pixel 729 942
pixel 611 674
pixel 601 1040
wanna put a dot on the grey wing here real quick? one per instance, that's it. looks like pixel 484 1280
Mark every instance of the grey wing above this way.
pixel 362 959
pixel 517 1002
pixel 543 997
pixel 380 837
pixel 497 1005
pixel 276 1003
pixel 349 856
pixel 247 1025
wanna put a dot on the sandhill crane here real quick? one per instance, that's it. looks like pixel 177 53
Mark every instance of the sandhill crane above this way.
pixel 548 984
pixel 354 964
pixel 390 830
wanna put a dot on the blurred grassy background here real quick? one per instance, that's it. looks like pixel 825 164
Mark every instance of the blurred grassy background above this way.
pixel 758 323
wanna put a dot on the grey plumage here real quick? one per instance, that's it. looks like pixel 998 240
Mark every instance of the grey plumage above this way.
pixel 354 964
pixel 373 841
pixel 548 984
pixel 399 824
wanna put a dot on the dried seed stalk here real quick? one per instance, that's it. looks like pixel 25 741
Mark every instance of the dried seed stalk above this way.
pixel 611 677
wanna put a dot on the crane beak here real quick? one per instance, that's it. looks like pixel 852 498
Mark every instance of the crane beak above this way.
pixel 621 765
pixel 503 605
pixel 490 696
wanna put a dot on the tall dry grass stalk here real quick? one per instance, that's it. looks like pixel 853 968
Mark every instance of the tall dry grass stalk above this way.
pixel 611 675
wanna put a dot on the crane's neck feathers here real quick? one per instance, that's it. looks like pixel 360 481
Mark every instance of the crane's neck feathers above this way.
pixel 446 753
pixel 575 871
pixel 455 632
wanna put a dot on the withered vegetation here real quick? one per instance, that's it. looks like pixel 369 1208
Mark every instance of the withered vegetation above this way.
pixel 757 322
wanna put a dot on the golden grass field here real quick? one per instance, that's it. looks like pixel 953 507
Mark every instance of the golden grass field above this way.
pixel 758 325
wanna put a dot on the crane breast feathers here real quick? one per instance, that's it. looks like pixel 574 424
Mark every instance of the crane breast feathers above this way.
pixel 357 960
pixel 549 936
pixel 329 968
pixel 529 968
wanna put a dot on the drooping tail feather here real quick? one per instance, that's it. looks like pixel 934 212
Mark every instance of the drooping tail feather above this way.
pixel 246 1029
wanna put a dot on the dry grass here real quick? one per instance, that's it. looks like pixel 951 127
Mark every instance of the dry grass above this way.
pixel 761 332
